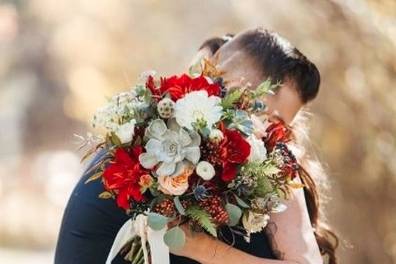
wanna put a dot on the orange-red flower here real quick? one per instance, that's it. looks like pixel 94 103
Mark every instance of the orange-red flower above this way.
pixel 276 132
pixel 122 176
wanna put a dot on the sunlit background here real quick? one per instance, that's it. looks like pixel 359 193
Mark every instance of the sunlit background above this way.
pixel 59 59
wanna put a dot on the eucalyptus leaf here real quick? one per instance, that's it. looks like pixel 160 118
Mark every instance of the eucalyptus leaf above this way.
pixel 156 221
pixel 175 238
pixel 234 213
pixel 241 202
pixel 179 206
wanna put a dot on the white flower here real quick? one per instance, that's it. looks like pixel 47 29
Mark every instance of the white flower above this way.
pixel 216 135
pixel 199 108
pixel 254 222
pixel 126 131
pixel 205 170
pixel 258 152
pixel 119 110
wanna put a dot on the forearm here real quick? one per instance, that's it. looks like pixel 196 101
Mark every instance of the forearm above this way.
pixel 220 253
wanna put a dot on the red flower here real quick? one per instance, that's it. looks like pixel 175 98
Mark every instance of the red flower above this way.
pixel 151 86
pixel 178 86
pixel 276 132
pixel 229 171
pixel 234 150
pixel 122 176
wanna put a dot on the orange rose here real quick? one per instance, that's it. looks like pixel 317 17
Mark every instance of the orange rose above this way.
pixel 177 183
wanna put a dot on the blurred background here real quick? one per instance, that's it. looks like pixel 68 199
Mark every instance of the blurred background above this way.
pixel 60 59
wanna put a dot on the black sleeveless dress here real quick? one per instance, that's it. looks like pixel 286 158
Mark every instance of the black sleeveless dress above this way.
pixel 90 225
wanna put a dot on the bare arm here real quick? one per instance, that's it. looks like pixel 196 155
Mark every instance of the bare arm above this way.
pixel 290 232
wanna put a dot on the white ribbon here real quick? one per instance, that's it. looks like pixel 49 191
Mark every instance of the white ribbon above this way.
pixel 158 249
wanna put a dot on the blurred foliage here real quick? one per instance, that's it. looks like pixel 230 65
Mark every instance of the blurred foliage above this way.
pixel 60 59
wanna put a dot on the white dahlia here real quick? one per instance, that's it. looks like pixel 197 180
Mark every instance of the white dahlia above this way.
pixel 198 109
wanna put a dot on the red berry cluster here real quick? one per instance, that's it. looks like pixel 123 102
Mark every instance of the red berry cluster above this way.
pixel 166 208
pixel 215 208
pixel 211 152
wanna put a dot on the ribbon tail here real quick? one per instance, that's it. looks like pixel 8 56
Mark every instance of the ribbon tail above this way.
pixel 125 234
pixel 159 251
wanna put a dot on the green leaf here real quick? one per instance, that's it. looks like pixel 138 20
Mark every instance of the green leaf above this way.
pixel 270 169
pixel 115 140
pixel 105 195
pixel 260 172
pixel 94 177
pixel 263 187
pixel 241 202
pixel 179 206
pixel 175 238
pixel 195 69
pixel 231 98
pixel 266 87
pixel 234 213
pixel 156 221
pixel 203 219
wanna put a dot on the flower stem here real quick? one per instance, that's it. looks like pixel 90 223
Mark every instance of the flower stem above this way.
pixel 139 256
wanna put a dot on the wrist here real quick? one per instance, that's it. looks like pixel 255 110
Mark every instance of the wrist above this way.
pixel 203 250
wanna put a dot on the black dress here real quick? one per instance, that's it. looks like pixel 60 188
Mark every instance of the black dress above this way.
pixel 90 225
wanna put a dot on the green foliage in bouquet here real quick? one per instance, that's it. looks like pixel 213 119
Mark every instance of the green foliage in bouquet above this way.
pixel 260 173
pixel 266 87
pixel 231 98
pixel 175 238
pixel 202 218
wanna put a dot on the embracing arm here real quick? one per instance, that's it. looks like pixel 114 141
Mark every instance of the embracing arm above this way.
pixel 290 232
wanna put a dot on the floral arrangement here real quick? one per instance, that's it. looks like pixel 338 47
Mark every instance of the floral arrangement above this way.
pixel 182 149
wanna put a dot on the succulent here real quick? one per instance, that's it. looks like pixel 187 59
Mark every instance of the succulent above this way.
pixel 168 147
pixel 242 122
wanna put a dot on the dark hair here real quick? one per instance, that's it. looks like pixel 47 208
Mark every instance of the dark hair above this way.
pixel 277 60
pixel 280 61
pixel 215 43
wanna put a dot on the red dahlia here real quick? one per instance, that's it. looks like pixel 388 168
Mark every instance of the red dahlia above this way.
pixel 234 151
pixel 122 176
pixel 178 86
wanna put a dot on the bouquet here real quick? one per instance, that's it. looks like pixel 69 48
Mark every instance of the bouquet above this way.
pixel 183 149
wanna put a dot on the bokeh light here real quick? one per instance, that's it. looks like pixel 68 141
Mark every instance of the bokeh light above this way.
pixel 61 59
